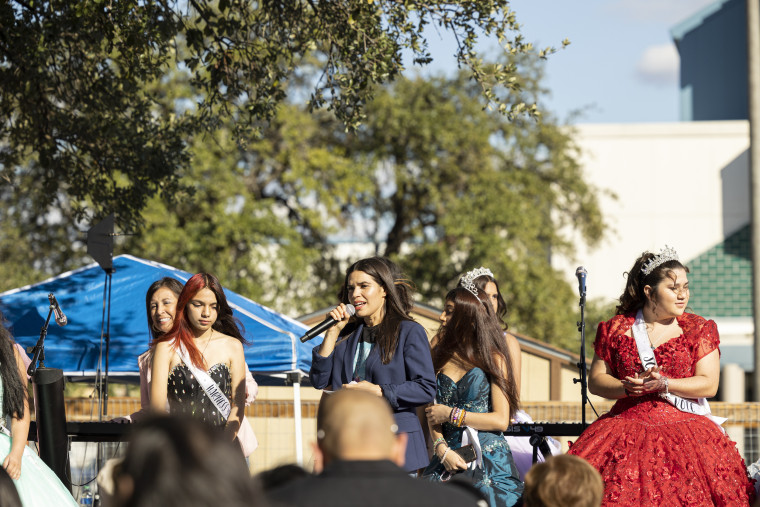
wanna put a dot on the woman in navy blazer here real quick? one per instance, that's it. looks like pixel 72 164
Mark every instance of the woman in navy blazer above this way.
pixel 382 351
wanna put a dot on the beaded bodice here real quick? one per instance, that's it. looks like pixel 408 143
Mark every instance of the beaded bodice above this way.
pixel 472 392
pixel 187 397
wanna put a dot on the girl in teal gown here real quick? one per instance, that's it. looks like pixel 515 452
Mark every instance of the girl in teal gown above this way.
pixel 475 399
pixel 37 485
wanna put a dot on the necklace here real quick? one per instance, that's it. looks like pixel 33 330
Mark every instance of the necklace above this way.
pixel 207 342
pixel 663 335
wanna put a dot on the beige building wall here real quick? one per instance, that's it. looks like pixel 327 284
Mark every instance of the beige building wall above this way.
pixel 681 184
pixel 535 378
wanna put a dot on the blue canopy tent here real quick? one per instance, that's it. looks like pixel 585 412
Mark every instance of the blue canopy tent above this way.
pixel 274 346
pixel 79 347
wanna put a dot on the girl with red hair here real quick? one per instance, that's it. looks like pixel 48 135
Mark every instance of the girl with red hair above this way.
pixel 199 366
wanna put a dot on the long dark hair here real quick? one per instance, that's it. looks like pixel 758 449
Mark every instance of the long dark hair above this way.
pixel 181 331
pixel 473 336
pixel 170 283
pixel 398 300
pixel 501 305
pixel 14 387
pixel 633 296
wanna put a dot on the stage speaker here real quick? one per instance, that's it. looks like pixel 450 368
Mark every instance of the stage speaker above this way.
pixel 50 411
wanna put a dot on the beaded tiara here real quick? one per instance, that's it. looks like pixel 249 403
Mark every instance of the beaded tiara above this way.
pixel 468 279
pixel 665 255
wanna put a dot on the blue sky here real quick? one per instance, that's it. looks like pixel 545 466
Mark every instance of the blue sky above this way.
pixel 621 65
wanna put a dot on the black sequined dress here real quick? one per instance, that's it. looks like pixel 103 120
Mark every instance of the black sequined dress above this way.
pixel 187 397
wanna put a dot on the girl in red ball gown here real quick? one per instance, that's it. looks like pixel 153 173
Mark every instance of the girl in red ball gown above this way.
pixel 659 445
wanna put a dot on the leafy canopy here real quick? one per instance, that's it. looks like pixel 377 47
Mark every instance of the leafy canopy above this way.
pixel 79 109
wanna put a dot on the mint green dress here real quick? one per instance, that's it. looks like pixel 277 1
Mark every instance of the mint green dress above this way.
pixel 38 485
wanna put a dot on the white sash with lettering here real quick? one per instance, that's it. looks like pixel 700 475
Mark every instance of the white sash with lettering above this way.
pixel 215 394
pixel 698 407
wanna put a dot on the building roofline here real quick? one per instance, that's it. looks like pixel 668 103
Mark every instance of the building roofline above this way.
pixel 428 311
pixel 680 30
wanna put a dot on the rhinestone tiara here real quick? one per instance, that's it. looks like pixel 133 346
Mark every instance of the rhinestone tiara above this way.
pixel 665 255
pixel 468 279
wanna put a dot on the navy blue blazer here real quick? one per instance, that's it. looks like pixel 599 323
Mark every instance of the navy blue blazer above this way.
pixel 408 380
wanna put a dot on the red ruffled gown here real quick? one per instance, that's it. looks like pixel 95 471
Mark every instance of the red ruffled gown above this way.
pixel 648 451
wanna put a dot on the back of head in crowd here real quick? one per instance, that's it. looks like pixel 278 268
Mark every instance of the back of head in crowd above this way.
pixel 176 461
pixel 279 476
pixel 399 294
pixel 182 331
pixel 358 426
pixel 564 480
pixel 472 334
pixel 634 295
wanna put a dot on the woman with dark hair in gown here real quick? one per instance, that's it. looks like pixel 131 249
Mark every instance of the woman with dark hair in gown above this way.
pixel 659 444
pixel 36 484
pixel 475 399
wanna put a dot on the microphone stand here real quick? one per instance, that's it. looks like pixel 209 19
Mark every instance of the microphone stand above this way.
pixel 50 410
pixel 582 363
pixel 38 350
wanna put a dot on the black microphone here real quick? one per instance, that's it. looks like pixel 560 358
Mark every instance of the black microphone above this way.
pixel 581 274
pixel 325 325
pixel 60 318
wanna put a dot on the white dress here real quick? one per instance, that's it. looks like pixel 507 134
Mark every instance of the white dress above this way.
pixel 38 486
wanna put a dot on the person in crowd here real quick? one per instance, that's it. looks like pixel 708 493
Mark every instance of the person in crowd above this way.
pixel 280 475
pixel 475 399
pixel 161 307
pixel 659 444
pixel 37 485
pixel 199 365
pixel 382 351
pixel 488 289
pixel 177 461
pixel 362 451
pixel 564 480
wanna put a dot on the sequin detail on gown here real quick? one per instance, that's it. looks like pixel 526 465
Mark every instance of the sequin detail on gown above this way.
pixel 187 397
pixel 38 485
pixel 648 451
pixel 500 482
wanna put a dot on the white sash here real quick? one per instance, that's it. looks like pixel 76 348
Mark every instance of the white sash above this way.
pixel 698 407
pixel 212 390
pixel 470 436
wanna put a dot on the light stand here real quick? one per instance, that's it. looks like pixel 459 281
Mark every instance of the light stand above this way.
pixel 100 247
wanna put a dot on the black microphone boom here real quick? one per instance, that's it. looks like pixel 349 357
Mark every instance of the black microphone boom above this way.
pixel 60 318
pixel 581 274
pixel 325 325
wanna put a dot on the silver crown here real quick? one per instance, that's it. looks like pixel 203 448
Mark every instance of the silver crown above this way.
pixel 665 255
pixel 468 280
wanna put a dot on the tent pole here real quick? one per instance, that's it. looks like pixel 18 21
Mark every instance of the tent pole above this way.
pixel 296 378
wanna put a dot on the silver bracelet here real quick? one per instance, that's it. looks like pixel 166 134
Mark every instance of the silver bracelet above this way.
pixel 666 385
pixel 444 454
